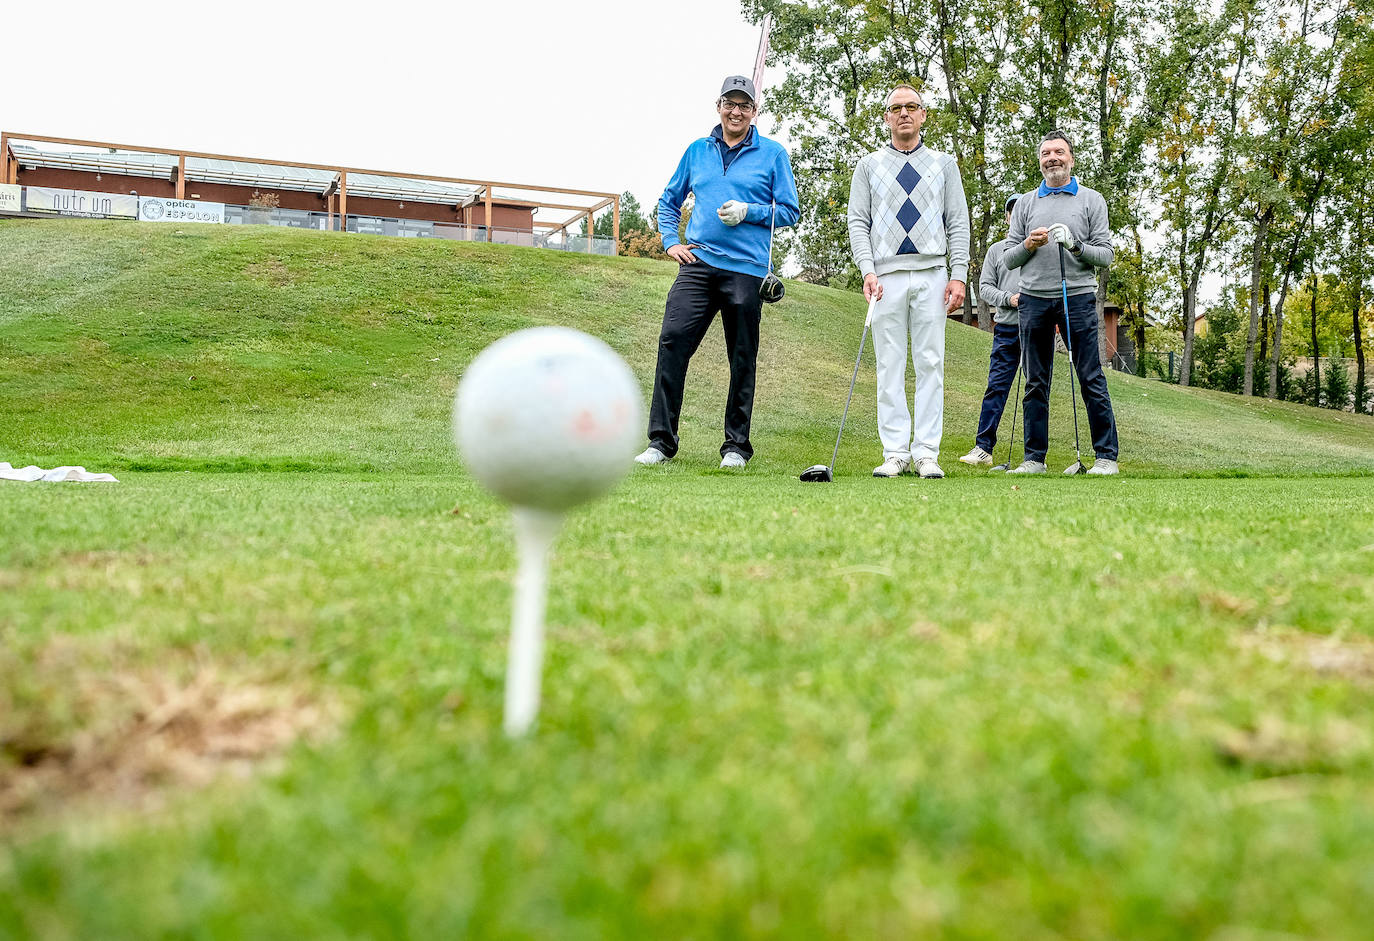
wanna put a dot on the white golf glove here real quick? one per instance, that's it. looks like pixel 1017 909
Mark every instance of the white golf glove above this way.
pixel 733 212
pixel 1060 233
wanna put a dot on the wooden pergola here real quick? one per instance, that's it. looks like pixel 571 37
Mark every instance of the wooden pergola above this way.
pixel 9 173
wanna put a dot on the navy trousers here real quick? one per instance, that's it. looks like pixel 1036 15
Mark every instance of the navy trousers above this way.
pixel 1039 317
pixel 699 293
pixel 1006 354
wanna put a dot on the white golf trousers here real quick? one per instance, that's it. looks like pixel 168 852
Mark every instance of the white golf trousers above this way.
pixel 913 302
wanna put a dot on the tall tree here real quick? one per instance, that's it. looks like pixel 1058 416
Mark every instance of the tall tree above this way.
pixel 1195 87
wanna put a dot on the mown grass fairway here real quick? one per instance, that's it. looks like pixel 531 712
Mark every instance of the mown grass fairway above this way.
pixel 1069 708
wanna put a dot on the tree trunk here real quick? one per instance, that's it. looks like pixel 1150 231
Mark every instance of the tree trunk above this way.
pixel 1277 352
pixel 968 308
pixel 984 314
pixel 1264 326
pixel 1256 271
pixel 1185 370
pixel 1316 351
pixel 1140 319
pixel 1359 351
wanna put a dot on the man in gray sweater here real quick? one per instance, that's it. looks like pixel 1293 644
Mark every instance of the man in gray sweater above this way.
pixel 1062 215
pixel 998 286
pixel 907 221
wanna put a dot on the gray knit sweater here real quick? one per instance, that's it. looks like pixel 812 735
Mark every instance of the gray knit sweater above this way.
pixel 998 283
pixel 1086 216
pixel 907 213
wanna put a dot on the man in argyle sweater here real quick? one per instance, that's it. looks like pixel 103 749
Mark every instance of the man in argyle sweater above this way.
pixel 907 222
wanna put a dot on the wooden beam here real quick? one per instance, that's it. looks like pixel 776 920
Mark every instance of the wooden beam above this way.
pixel 615 228
pixel 343 200
pixel 530 187
pixel 4 157
pixel 530 204
pixel 181 176
pixel 488 200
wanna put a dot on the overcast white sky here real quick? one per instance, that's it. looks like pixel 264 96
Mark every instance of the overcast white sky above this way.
pixel 598 95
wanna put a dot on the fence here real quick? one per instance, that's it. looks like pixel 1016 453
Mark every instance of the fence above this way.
pixel 416 228
pixel 403 228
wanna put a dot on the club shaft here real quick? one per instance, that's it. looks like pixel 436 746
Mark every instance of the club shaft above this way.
pixel 1068 344
pixel 852 379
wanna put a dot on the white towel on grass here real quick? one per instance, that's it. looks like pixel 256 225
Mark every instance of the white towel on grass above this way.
pixel 34 472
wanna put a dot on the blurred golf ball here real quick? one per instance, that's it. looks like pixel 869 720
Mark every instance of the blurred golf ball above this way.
pixel 548 417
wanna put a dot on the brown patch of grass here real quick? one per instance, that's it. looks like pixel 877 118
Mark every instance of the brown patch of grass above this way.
pixel 1272 745
pixel 1333 654
pixel 270 269
pixel 81 733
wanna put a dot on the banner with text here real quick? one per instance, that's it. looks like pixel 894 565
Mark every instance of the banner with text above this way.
pixel 158 209
pixel 10 197
pixel 81 203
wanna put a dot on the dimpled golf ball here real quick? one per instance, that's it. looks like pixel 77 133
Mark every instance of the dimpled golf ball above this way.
pixel 548 417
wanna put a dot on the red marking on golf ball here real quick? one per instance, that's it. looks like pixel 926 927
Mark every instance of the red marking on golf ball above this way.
pixel 585 425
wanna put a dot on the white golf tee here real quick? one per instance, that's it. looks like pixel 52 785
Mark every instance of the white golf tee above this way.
pixel 535 531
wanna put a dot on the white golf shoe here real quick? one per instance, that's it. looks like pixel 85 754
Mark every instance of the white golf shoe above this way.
pixel 652 456
pixel 732 460
pixel 1029 467
pixel 1104 467
pixel 928 469
pixel 976 456
pixel 892 467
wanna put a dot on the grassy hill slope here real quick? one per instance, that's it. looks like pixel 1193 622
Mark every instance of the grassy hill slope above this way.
pixel 229 347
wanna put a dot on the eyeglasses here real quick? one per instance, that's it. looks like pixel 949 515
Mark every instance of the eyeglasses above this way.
pixel 910 107
pixel 744 107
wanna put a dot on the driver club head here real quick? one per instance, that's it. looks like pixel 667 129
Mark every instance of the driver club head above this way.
pixel 1000 467
pixel 1075 468
pixel 817 473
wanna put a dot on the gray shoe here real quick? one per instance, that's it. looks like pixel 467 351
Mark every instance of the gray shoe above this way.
pixel 652 456
pixel 732 460
pixel 928 469
pixel 976 456
pixel 892 467
pixel 1104 467
pixel 1029 467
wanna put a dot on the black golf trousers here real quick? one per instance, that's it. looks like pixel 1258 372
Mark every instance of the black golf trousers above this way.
pixel 1039 317
pixel 698 294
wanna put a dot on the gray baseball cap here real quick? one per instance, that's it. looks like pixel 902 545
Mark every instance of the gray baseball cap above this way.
pixel 738 83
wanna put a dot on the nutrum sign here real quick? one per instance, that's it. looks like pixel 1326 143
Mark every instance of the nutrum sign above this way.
pixel 10 197
pixel 81 203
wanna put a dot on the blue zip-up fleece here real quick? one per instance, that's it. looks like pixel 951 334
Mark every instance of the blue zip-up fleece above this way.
pixel 759 174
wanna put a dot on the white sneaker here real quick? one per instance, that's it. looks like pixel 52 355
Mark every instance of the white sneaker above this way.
pixel 977 456
pixel 1103 467
pixel 892 467
pixel 652 456
pixel 928 469
pixel 1029 467
pixel 732 460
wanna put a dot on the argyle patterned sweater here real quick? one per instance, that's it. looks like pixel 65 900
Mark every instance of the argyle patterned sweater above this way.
pixel 907 213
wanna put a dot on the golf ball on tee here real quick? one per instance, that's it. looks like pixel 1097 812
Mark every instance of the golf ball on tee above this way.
pixel 548 417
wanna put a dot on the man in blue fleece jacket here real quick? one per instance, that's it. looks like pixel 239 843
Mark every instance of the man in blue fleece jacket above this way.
pixel 743 183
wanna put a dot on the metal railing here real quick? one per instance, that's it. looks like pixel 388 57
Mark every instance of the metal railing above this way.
pixel 416 228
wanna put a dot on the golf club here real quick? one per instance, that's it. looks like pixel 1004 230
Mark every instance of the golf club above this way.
pixel 817 473
pixel 1077 466
pixel 1011 439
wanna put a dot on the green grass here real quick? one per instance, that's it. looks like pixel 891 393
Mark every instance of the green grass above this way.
pixel 1064 708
